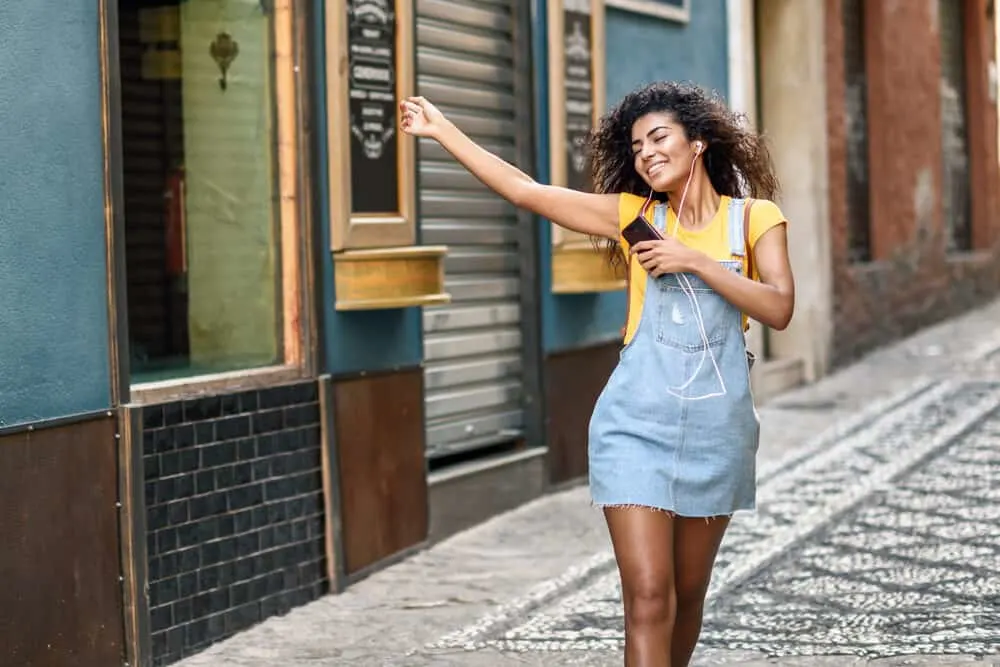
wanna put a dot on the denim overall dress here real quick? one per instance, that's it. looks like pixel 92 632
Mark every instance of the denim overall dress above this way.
pixel 672 430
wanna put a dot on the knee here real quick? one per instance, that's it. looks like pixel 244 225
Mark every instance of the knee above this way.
pixel 650 603
pixel 690 599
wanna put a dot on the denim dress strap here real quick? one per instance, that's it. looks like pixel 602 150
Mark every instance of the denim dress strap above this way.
pixel 737 244
pixel 660 217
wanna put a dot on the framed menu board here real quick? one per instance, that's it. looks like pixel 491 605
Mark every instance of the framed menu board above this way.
pixel 576 92
pixel 369 69
pixel 576 103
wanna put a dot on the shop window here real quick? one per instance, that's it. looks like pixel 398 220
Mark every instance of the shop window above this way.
pixel 210 242
pixel 856 113
pixel 955 187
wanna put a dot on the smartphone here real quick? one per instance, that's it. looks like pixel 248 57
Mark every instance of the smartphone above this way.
pixel 640 230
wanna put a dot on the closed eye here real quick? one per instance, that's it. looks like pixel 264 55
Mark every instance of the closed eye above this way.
pixel 637 147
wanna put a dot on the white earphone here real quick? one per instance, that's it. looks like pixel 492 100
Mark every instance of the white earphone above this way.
pixel 688 289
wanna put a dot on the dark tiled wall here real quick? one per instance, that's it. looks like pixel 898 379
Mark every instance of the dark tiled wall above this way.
pixel 234 501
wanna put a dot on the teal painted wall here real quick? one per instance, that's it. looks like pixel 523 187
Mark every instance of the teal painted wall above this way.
pixel 54 358
pixel 640 49
pixel 375 340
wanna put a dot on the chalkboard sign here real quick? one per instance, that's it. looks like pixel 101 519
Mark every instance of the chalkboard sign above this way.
pixel 576 95
pixel 578 80
pixel 371 48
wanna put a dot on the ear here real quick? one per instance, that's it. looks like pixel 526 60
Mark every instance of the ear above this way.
pixel 698 148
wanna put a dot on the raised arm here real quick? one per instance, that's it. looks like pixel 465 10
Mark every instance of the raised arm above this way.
pixel 584 212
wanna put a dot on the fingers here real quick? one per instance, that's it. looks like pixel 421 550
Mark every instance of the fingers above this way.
pixel 409 113
pixel 645 246
pixel 647 260
pixel 414 104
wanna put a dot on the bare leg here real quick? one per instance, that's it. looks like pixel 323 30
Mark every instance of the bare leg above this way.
pixel 643 543
pixel 696 543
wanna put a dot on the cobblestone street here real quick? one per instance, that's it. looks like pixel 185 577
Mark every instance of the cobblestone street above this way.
pixel 875 541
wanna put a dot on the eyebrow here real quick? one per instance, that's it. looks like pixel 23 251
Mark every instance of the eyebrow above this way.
pixel 655 129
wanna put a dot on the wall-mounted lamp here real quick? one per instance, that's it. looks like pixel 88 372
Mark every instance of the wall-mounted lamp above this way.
pixel 224 51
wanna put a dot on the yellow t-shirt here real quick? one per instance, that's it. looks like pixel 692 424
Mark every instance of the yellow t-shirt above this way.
pixel 712 239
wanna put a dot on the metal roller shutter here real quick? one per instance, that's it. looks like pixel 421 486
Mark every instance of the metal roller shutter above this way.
pixel 472 347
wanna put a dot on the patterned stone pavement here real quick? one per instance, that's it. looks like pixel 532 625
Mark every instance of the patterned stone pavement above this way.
pixel 881 541
pixel 875 542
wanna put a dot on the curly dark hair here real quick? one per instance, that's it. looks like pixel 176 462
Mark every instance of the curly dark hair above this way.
pixel 736 159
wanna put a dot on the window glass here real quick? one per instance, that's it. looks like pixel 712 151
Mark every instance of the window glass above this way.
pixel 200 187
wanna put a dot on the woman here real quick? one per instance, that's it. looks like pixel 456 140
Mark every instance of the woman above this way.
pixel 673 436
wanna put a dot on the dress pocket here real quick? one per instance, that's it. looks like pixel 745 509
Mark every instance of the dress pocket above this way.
pixel 691 321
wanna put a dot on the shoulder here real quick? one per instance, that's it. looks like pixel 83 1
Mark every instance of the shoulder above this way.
pixel 764 215
pixel 629 206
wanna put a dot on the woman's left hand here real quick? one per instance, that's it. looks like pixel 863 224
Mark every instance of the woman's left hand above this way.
pixel 667 256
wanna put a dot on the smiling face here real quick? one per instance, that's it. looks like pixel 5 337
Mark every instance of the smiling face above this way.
pixel 663 154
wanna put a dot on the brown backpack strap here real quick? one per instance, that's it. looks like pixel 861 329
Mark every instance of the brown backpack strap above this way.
pixel 746 236
pixel 628 294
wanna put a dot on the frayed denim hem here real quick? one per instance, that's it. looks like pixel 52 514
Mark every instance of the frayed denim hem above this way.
pixel 654 508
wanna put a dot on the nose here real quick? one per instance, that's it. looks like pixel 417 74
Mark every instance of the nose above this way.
pixel 646 152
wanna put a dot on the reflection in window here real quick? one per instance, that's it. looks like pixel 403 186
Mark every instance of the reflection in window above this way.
pixel 200 190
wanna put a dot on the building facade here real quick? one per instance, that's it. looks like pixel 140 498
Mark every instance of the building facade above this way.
pixel 887 155
pixel 915 223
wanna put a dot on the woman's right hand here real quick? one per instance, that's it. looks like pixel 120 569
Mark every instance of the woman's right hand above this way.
pixel 420 118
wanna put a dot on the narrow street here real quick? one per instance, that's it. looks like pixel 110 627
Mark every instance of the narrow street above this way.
pixel 308 304
pixel 875 542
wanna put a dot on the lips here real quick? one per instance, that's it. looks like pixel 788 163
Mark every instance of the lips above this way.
pixel 656 168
